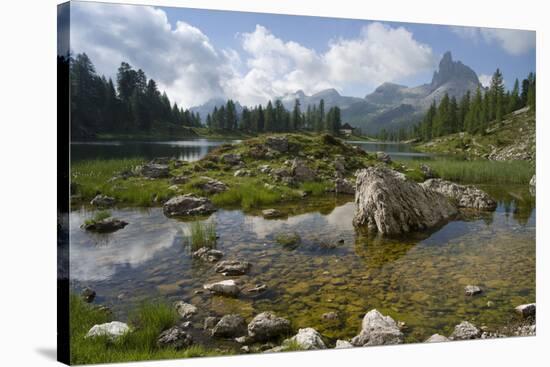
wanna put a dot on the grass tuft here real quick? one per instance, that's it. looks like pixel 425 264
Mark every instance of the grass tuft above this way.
pixel 98 217
pixel 202 235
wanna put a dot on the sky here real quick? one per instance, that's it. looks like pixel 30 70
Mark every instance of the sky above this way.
pixel 195 55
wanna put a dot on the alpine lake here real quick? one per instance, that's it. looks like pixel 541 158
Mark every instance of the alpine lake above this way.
pixel 418 279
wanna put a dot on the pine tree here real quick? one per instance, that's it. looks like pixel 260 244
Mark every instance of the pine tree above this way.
pixel 269 118
pixel 296 116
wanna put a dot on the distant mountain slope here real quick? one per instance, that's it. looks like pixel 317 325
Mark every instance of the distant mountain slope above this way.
pixel 206 108
pixel 391 106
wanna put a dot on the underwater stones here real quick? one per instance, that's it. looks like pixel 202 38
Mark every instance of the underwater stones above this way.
pixel 526 310
pixel 278 143
pixel 88 295
pixel 105 225
pixel 188 204
pixel 377 329
pixel 301 171
pixel 464 196
pixel 436 338
pixel 307 339
pixel 267 326
pixel 343 344
pixel 103 201
pixel 225 288
pixel 472 290
pixel 208 254
pixel 343 186
pixel 232 267
pixel 175 337
pixel 113 330
pixel 230 326
pixel 211 186
pixel 271 213
pixel 389 203
pixel 155 170
pixel 185 310
pixel 465 331
pixel 383 157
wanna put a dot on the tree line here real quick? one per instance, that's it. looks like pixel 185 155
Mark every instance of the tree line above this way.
pixel 134 104
pixel 473 112
pixel 274 117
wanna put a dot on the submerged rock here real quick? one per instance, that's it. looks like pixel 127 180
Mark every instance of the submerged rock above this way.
pixel 225 288
pixel 389 203
pixel 208 254
pixel 88 295
pixel 230 326
pixel 189 204
pixel 155 170
pixel 113 330
pixel 527 310
pixel 185 310
pixel 472 290
pixel 271 213
pixel 232 267
pixel 307 339
pixel 175 337
pixel 105 225
pixel 103 201
pixel 464 196
pixel 436 338
pixel 267 326
pixel 377 329
pixel 465 331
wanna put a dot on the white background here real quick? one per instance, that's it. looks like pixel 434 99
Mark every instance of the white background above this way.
pixel 28 182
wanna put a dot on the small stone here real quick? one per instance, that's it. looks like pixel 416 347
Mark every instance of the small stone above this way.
pixel 436 338
pixel 208 254
pixel 113 330
pixel 526 310
pixel 465 331
pixel 230 326
pixel 267 326
pixel 185 310
pixel 343 344
pixel 472 290
pixel 88 295
pixel 307 339
pixel 175 337
pixel 225 288
pixel 232 267
pixel 330 316
pixel 271 213
pixel 103 201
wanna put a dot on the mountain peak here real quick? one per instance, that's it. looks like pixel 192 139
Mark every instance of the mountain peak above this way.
pixel 327 92
pixel 450 70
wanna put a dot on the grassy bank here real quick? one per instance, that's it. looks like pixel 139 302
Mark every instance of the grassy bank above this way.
pixel 480 171
pixel 147 322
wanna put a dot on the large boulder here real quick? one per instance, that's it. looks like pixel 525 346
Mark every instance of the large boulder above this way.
pixel 464 196
pixel 377 329
pixel 267 326
pixel 230 326
pixel 232 267
pixel 175 337
pixel 225 288
pixel 189 204
pixel 301 171
pixel 113 330
pixel 106 225
pixel 103 201
pixel 208 254
pixel 465 331
pixel 155 170
pixel 307 339
pixel 389 203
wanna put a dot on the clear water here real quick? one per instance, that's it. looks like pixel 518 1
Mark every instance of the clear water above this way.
pixel 419 280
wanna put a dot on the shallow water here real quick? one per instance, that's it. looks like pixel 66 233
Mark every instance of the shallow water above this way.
pixel 419 280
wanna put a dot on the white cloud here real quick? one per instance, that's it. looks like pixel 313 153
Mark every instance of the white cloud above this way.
pixel 184 62
pixel 485 79
pixel 515 42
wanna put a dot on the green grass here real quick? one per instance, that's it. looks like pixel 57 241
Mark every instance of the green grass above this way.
pixel 147 322
pixel 314 188
pixel 92 177
pixel 202 235
pixel 292 346
pixel 481 171
pixel 251 195
pixel 98 217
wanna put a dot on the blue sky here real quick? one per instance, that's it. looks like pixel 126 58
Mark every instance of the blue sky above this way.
pixel 199 54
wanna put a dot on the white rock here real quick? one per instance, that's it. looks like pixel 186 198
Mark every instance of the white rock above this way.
pixel 308 339
pixel 343 344
pixel 377 329
pixel 113 330
pixel 225 287
pixel 436 338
